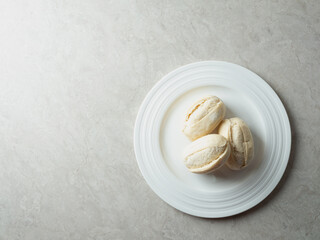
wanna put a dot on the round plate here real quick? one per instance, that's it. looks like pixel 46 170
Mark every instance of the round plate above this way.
pixel 159 141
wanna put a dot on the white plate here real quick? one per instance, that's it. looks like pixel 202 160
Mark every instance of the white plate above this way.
pixel 159 142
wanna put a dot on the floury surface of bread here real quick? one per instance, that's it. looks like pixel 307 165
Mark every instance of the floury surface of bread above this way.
pixel 203 117
pixel 236 131
pixel 207 153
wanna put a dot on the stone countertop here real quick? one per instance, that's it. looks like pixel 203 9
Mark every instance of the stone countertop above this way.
pixel 72 77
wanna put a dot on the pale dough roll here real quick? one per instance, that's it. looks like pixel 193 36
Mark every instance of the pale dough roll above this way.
pixel 236 131
pixel 203 117
pixel 207 153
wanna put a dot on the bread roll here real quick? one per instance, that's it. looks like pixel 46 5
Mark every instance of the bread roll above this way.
pixel 207 153
pixel 236 131
pixel 203 117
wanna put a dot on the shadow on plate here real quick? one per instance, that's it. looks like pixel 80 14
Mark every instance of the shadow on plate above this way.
pixel 225 173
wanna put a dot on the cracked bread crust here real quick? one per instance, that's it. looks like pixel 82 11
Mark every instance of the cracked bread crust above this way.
pixel 207 153
pixel 203 117
pixel 236 131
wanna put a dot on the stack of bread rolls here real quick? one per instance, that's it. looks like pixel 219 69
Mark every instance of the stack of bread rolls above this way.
pixel 233 145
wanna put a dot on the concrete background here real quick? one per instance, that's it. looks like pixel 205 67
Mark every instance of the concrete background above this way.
pixel 72 77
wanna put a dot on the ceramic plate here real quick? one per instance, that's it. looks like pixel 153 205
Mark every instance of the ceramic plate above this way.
pixel 159 141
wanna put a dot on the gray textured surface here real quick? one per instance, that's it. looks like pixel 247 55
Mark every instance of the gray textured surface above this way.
pixel 72 76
